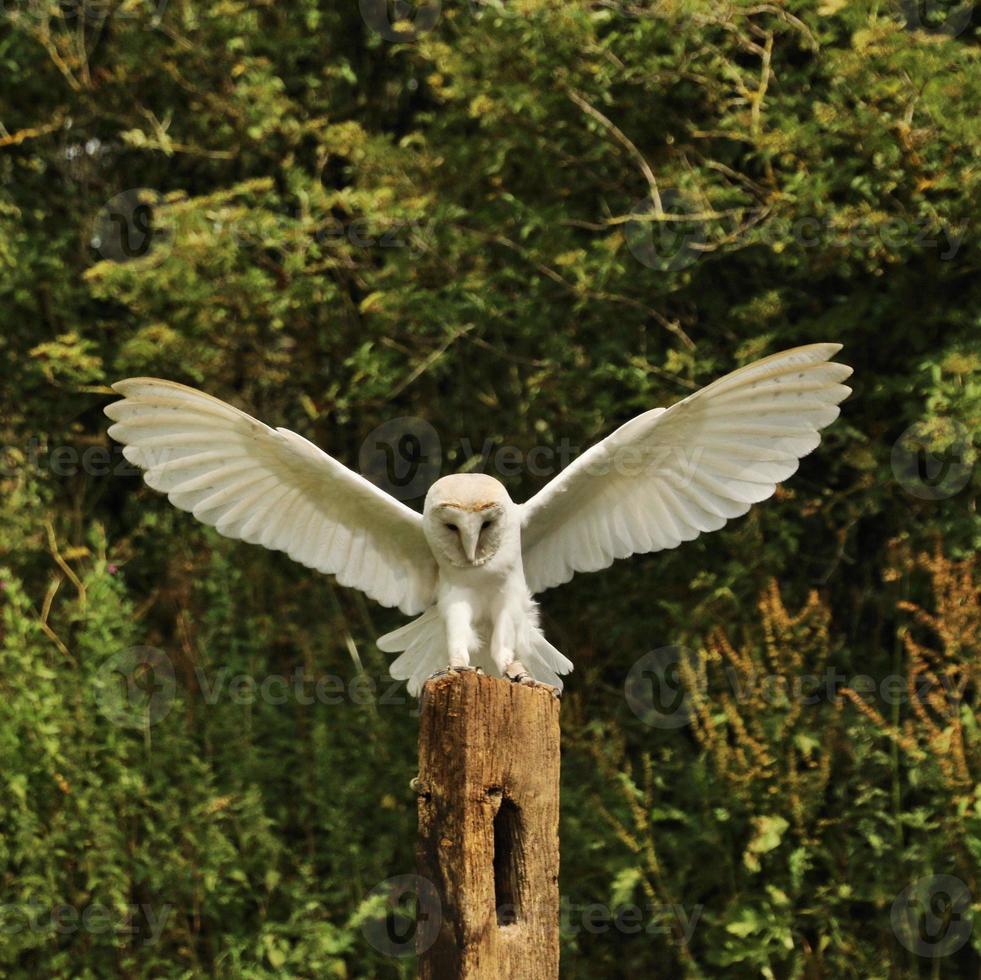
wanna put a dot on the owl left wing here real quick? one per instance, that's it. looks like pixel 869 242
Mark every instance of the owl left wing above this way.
pixel 272 487
pixel 669 474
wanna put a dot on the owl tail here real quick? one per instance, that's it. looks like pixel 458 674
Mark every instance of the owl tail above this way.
pixel 422 644
pixel 543 661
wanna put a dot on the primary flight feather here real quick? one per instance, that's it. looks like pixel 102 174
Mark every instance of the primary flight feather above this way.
pixel 471 562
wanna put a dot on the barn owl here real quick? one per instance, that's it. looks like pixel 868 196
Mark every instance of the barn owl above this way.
pixel 468 566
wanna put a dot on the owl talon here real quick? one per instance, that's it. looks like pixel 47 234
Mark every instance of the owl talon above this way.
pixel 517 674
pixel 453 670
pixel 529 681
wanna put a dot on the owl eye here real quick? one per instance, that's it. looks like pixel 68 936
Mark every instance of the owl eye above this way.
pixel 452 527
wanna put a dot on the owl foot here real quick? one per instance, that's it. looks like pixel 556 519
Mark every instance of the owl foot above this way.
pixel 516 672
pixel 453 670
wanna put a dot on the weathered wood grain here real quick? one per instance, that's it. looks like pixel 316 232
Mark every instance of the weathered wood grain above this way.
pixel 489 827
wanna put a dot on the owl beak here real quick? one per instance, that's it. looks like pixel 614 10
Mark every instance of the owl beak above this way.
pixel 470 536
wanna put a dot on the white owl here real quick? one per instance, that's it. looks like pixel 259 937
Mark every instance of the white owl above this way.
pixel 471 562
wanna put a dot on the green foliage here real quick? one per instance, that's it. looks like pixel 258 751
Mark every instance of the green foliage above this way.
pixel 523 225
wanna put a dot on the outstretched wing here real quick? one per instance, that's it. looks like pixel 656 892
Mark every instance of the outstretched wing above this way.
pixel 669 474
pixel 274 488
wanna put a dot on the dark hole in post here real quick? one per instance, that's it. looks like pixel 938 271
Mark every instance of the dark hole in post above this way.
pixel 507 844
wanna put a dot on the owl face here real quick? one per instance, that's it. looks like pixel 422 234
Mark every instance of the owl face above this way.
pixel 466 519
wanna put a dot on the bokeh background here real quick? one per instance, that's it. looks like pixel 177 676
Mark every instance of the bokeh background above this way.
pixel 519 223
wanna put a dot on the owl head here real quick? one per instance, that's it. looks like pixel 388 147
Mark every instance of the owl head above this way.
pixel 467 518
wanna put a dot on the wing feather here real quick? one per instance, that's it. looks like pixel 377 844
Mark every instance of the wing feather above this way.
pixel 670 474
pixel 273 487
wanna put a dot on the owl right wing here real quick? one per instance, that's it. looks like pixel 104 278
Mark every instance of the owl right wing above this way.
pixel 273 487
pixel 668 475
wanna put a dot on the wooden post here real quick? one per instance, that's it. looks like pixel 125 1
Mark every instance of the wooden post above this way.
pixel 489 827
